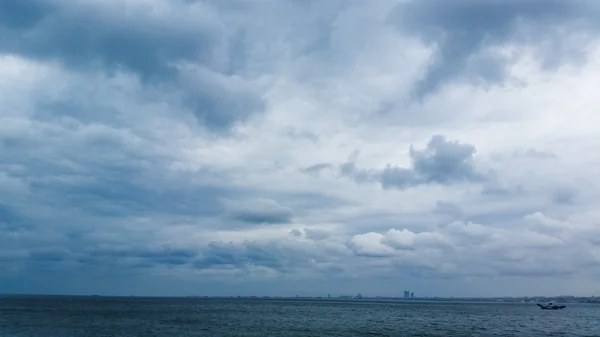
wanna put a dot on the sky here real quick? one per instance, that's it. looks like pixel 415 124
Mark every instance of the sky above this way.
pixel 283 147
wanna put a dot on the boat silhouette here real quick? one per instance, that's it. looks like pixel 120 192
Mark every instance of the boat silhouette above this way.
pixel 551 306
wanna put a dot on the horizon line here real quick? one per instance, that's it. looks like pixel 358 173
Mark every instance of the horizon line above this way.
pixel 303 296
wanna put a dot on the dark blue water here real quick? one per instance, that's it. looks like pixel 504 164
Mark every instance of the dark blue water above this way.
pixel 101 316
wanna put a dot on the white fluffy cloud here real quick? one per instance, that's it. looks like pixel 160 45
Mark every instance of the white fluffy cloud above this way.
pixel 284 147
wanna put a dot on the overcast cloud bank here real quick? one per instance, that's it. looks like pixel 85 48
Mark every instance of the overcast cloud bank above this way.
pixel 299 147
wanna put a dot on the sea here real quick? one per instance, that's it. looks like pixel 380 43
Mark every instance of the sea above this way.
pixel 67 316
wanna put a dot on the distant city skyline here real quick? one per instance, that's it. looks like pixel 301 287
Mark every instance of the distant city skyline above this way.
pixel 360 297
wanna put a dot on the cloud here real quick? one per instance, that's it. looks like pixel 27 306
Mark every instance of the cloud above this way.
pixel 470 38
pixel 311 233
pixel 11 219
pixel 474 249
pixel 442 161
pixel 51 254
pixel 539 154
pixel 368 245
pixel 104 34
pixel 210 147
pixel 170 46
pixel 316 168
pixel 259 211
pixel 317 233
pixel 140 255
pixel 278 257
pixel 448 209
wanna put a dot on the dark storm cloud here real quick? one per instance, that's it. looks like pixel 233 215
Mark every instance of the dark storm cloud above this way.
pixel 275 255
pixel 442 161
pixel 118 193
pixel 266 217
pixel 88 251
pixel 259 211
pixel 85 34
pixel 463 31
pixel 111 173
pixel 89 185
pixel 91 35
pixel 87 190
pixel 24 14
pixel 146 255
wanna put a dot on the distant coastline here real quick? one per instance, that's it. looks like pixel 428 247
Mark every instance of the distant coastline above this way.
pixel 523 299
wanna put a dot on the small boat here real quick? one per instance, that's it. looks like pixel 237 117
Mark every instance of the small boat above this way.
pixel 551 306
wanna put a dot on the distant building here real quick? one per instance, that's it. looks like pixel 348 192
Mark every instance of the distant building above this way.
pixel 406 294
pixel 412 295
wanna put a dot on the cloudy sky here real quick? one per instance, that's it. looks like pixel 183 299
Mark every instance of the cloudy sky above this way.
pixel 282 147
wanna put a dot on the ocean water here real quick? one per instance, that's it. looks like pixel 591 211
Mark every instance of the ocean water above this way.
pixel 112 316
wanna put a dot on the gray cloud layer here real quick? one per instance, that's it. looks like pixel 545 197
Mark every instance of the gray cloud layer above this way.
pixel 107 182
pixel 442 161
pixel 464 34
pixel 158 45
